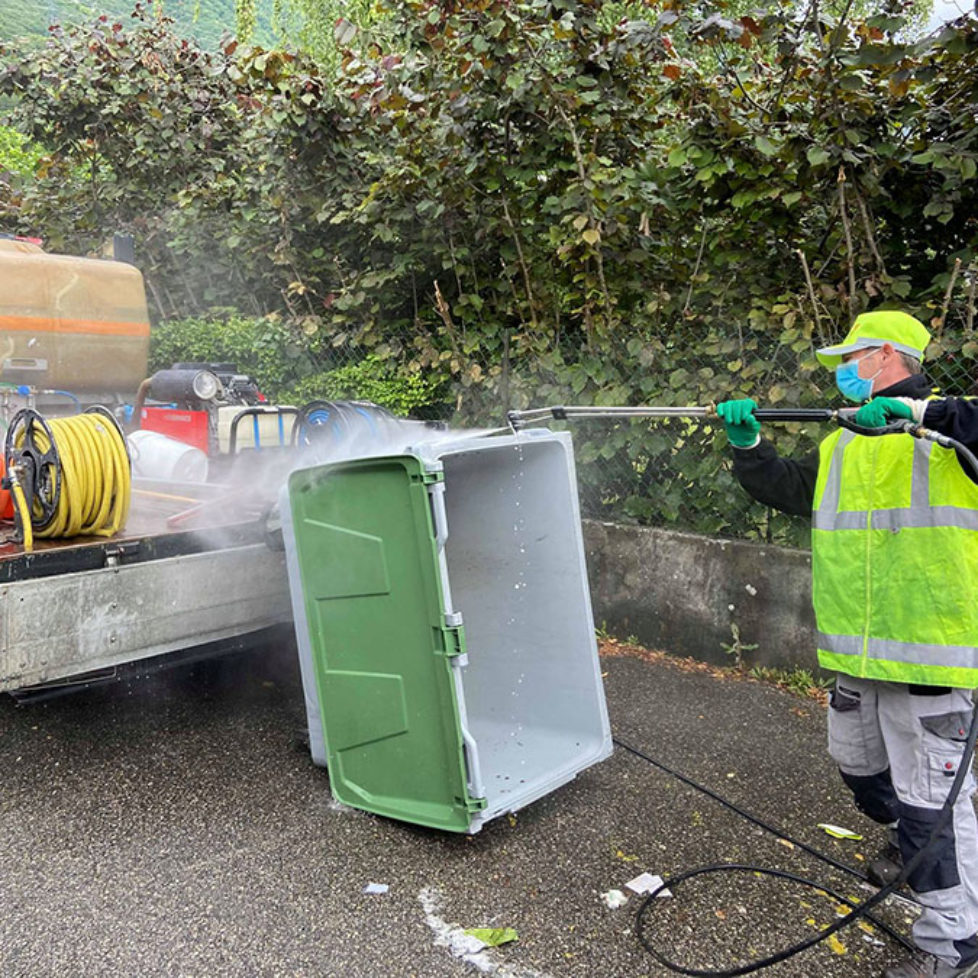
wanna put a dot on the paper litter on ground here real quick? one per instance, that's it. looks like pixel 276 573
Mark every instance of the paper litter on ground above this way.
pixel 646 883
pixel 614 899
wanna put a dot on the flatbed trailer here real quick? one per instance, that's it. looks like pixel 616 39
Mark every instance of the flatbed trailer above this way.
pixel 174 579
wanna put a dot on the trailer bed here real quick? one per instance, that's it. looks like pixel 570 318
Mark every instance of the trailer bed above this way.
pixel 175 578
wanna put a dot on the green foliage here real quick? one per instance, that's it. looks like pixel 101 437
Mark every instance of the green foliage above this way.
pixel 317 27
pixel 18 156
pixel 801 682
pixel 267 348
pixel 541 202
pixel 735 649
pixel 372 379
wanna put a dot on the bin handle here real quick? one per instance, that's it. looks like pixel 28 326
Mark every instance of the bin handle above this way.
pixel 437 490
pixel 476 788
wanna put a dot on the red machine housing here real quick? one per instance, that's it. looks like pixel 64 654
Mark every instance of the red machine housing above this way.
pixel 189 427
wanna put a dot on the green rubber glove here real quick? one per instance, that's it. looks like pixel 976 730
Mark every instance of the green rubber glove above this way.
pixel 743 429
pixel 880 411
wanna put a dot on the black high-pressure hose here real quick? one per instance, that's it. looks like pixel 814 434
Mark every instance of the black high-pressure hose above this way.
pixel 860 910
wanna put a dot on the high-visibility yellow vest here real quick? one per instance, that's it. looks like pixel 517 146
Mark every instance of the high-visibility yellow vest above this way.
pixel 895 561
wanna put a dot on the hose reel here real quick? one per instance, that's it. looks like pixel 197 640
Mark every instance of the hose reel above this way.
pixel 322 422
pixel 68 476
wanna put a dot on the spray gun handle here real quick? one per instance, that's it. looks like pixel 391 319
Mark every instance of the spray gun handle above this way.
pixel 796 414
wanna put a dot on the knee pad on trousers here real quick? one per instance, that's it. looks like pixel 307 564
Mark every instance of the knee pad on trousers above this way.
pixel 874 795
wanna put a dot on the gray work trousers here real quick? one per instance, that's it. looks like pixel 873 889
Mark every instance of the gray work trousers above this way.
pixel 898 751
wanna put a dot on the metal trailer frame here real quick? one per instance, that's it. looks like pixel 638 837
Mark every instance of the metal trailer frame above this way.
pixel 73 610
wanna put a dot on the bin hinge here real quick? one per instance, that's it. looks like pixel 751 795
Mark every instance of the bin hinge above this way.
pixel 453 634
pixel 473 805
pixel 431 477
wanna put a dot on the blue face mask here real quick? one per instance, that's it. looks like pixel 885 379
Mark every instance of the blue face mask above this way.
pixel 853 387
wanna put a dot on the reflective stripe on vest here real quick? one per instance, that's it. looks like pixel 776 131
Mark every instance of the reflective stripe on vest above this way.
pixel 953 656
pixel 895 561
pixel 918 513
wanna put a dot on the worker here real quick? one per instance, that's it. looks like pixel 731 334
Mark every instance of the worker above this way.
pixel 895 590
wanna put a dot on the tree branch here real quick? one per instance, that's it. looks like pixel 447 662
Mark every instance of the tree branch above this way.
pixel 592 221
pixel 811 291
pixel 522 260
pixel 696 268
pixel 870 235
pixel 850 262
pixel 970 321
pixel 947 298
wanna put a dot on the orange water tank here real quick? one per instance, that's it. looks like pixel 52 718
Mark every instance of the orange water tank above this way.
pixel 76 324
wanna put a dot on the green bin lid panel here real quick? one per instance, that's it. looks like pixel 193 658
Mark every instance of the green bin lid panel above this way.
pixel 369 572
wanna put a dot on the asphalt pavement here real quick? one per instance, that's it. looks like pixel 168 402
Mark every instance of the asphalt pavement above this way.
pixel 174 825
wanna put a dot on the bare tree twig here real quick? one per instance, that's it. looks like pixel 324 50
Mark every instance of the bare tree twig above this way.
pixel 947 297
pixel 592 220
pixel 696 268
pixel 731 74
pixel 970 321
pixel 157 298
pixel 870 234
pixel 446 317
pixel 811 292
pixel 451 251
pixel 850 262
pixel 837 31
pixel 522 260
pixel 828 261
pixel 504 377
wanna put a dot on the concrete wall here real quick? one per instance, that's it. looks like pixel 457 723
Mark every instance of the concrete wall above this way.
pixel 680 592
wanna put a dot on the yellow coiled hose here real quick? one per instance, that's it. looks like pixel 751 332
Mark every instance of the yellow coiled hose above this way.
pixel 95 479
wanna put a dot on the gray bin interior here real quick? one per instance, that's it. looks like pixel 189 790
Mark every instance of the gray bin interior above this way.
pixel 532 686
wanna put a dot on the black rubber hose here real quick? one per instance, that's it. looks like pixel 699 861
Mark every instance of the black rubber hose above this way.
pixel 774 830
pixel 779 955
pixel 859 910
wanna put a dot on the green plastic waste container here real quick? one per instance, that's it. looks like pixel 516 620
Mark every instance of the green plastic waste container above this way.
pixel 444 627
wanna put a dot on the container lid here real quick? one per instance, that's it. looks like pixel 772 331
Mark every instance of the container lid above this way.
pixel 367 557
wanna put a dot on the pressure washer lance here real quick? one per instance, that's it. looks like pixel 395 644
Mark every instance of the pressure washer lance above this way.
pixel 842 416
pixel 520 419
pixel 858 911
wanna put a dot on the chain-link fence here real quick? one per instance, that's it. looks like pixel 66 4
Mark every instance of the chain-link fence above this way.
pixel 674 473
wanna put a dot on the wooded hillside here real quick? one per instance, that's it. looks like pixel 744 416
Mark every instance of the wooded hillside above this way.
pixel 205 20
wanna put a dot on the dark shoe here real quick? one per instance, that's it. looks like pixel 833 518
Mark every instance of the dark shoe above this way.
pixel 927 966
pixel 886 866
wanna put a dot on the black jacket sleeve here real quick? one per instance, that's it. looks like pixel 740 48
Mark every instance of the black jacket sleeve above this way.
pixel 782 483
pixel 956 417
